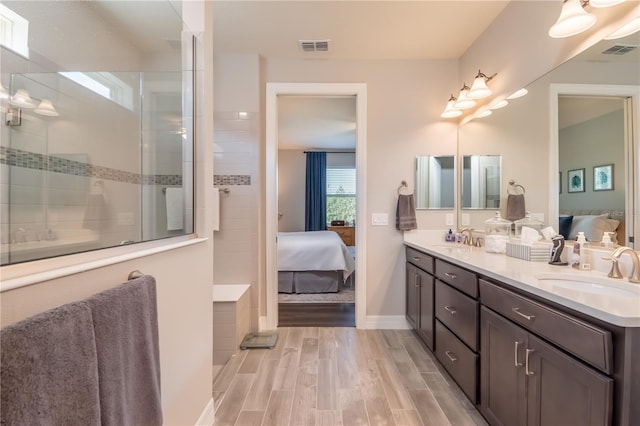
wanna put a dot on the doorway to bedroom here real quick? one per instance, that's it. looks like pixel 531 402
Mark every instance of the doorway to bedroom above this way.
pixel 314 135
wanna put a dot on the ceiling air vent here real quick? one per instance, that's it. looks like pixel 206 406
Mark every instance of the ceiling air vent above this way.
pixel 314 45
pixel 619 49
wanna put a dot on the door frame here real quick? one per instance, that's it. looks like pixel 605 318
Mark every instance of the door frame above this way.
pixel 274 90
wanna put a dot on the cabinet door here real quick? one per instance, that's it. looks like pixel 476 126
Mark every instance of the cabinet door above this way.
pixel 426 316
pixel 412 295
pixel 502 392
pixel 564 391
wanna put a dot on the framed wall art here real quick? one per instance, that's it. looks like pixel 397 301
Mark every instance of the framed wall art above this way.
pixel 575 180
pixel 603 178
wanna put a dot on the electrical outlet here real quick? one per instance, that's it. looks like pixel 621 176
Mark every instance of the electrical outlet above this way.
pixel 448 219
pixel 379 219
pixel 466 220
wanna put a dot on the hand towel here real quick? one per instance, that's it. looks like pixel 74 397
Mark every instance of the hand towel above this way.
pixel 174 198
pixel 406 213
pixel 515 207
pixel 216 209
pixel 125 321
pixel 49 373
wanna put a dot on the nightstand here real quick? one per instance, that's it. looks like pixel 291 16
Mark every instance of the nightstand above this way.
pixel 347 233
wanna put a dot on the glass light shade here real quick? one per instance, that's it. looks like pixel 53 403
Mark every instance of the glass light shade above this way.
pixel 500 104
pixel 484 113
pixel 463 101
pixel 479 88
pixel 518 93
pixel 22 99
pixel 573 20
pixel 450 111
pixel 604 3
pixel 46 108
pixel 627 29
pixel 3 92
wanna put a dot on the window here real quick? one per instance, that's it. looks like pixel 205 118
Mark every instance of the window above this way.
pixel 341 194
pixel 14 31
pixel 104 84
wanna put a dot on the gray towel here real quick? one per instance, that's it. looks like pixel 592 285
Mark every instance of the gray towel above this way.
pixel 125 320
pixel 515 207
pixel 49 371
pixel 406 213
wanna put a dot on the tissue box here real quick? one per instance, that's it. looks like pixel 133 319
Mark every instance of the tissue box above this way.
pixel 538 252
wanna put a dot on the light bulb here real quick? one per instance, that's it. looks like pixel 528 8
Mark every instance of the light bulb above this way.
pixel 450 111
pixel 479 87
pixel 463 101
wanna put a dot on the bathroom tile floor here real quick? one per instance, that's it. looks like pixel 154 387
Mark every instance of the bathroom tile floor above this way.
pixel 340 376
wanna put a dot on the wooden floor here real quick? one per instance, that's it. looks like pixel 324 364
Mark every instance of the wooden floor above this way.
pixel 317 314
pixel 339 376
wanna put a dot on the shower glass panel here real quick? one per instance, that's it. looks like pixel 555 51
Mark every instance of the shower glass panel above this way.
pixel 99 157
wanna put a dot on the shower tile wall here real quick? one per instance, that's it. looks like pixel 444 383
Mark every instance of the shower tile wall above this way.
pixel 236 166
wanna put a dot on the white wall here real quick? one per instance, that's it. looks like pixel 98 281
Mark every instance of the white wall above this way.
pixel 291 189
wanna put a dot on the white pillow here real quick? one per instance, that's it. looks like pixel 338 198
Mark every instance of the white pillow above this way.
pixel 593 227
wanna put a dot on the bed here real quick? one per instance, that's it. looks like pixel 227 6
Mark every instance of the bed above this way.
pixel 313 262
pixel 594 223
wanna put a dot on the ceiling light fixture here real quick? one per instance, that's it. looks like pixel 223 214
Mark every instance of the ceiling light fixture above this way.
pixel 625 30
pixel 46 108
pixel 573 20
pixel 479 88
pixel 22 99
pixel 463 101
pixel 450 111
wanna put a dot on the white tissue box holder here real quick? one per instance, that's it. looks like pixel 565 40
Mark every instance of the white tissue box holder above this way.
pixel 538 252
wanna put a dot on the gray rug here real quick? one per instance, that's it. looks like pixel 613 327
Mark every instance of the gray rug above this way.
pixel 346 295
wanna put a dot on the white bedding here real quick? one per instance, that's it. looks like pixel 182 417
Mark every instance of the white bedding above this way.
pixel 314 251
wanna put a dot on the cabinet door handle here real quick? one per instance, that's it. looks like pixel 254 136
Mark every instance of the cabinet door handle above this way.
pixel 526 362
pixel 527 317
pixel 415 258
pixel 515 354
pixel 450 309
pixel 450 275
pixel 418 281
pixel 451 356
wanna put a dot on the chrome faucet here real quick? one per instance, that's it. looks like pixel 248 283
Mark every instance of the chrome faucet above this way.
pixel 467 238
pixel 634 277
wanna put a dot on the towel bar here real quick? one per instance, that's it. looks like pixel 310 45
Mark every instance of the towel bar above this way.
pixel 134 274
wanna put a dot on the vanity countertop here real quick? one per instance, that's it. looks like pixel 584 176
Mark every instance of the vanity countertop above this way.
pixel 616 302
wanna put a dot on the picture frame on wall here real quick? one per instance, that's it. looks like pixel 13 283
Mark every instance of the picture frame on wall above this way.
pixel 603 178
pixel 575 180
pixel 560 183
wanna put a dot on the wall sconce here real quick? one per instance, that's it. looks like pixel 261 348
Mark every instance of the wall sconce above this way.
pixel 463 101
pixel 627 29
pixel 518 94
pixel 574 19
pixel 22 99
pixel 46 108
pixel 479 88
pixel 450 111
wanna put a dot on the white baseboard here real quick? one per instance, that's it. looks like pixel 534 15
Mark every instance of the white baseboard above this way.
pixel 208 416
pixel 387 322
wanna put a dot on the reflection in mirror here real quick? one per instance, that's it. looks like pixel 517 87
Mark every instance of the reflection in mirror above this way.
pixel 435 182
pixel 96 148
pixel 481 182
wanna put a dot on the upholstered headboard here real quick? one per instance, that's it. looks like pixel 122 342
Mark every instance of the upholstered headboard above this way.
pixel 594 222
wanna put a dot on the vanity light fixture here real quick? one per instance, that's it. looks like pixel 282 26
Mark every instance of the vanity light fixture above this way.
pixel 604 3
pixel 573 19
pixel 463 101
pixel 450 111
pixel 22 99
pixel 46 108
pixel 483 113
pixel 518 94
pixel 500 104
pixel 627 29
pixel 479 88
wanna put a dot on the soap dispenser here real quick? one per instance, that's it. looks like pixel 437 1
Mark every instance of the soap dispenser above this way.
pixel 579 259
pixel 606 240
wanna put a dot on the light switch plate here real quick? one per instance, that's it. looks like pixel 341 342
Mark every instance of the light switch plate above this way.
pixel 449 219
pixel 379 219
pixel 465 219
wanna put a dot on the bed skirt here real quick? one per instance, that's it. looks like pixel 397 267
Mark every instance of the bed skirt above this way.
pixel 310 281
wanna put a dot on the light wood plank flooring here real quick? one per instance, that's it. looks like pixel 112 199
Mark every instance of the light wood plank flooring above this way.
pixel 340 376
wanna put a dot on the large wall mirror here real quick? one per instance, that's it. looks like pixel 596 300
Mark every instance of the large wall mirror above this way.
pixel 435 182
pixel 566 104
pixel 481 182
pixel 97 124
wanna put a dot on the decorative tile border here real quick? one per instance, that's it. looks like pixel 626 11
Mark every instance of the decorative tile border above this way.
pixel 232 179
pixel 31 160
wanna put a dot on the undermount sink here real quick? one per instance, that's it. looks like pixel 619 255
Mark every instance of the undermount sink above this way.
pixel 589 284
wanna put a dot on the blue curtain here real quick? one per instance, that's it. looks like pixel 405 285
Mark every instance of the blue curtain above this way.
pixel 315 206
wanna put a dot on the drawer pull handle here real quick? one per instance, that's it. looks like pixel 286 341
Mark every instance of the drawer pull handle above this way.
pixel 526 362
pixel 451 356
pixel 450 309
pixel 515 355
pixel 527 317
pixel 450 275
pixel 415 258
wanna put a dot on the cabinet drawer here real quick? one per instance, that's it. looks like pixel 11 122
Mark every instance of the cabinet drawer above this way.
pixel 463 280
pixel 585 341
pixel 421 260
pixel 459 361
pixel 459 312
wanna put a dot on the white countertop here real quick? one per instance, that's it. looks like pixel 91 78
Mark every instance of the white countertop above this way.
pixel 616 307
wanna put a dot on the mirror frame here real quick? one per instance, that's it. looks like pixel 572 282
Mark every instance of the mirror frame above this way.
pixel 632 152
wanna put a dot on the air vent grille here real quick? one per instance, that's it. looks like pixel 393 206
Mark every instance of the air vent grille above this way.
pixel 619 49
pixel 314 45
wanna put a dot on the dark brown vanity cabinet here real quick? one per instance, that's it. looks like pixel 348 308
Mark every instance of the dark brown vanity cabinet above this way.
pixel 420 295
pixel 525 380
